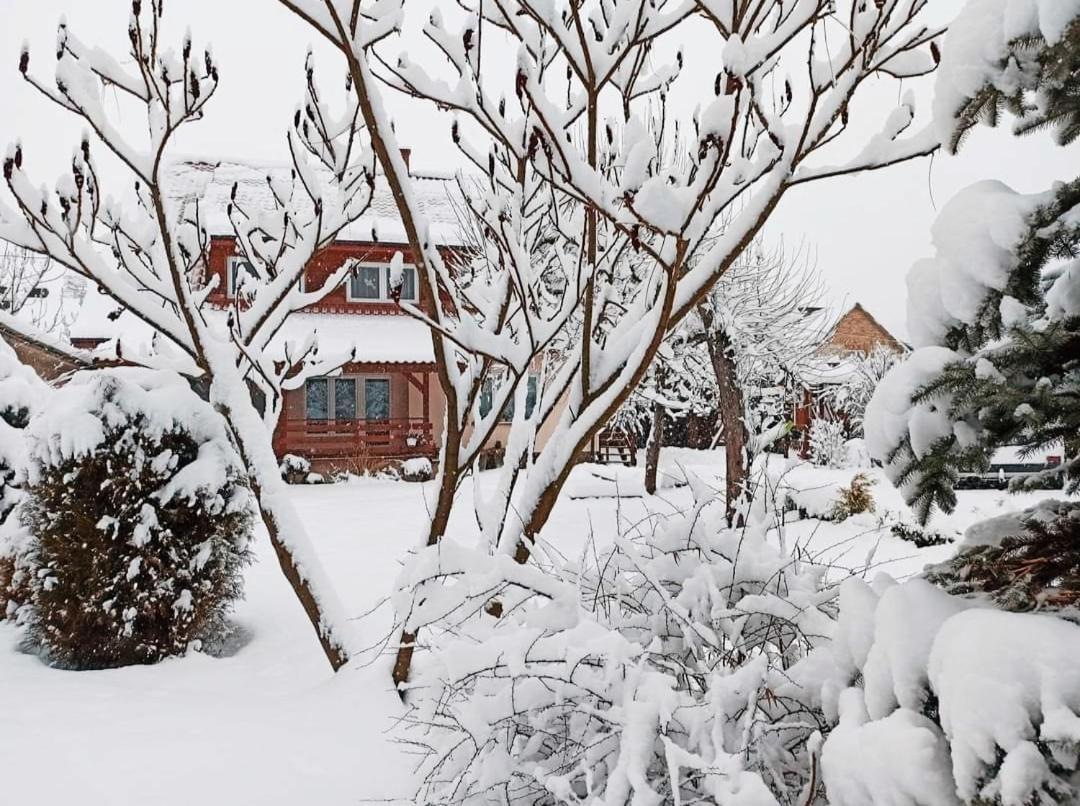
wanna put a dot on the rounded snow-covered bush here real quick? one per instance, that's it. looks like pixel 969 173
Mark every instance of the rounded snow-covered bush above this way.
pixel 417 469
pixel 21 394
pixel 295 469
pixel 139 520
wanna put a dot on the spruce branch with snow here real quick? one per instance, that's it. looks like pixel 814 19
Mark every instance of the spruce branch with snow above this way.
pixel 995 312
pixel 149 252
pixel 1021 561
pixel 1027 70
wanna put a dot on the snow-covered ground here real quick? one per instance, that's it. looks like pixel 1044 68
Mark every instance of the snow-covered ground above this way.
pixel 270 724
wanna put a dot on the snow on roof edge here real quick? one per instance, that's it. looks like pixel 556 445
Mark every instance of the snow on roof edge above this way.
pixel 27 331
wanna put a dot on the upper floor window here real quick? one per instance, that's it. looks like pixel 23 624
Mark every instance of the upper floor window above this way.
pixel 237 267
pixel 371 283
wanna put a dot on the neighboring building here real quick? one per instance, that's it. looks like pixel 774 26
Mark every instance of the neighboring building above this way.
pixel 385 403
pixel 53 360
pixel 856 333
pixel 859 332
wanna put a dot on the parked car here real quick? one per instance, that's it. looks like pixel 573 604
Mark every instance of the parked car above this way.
pixel 1007 464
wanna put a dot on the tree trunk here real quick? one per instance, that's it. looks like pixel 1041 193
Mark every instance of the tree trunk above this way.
pixel 449 473
pixel 732 419
pixel 293 548
pixel 652 449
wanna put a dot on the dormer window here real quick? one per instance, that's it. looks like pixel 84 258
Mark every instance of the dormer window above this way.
pixel 237 267
pixel 370 282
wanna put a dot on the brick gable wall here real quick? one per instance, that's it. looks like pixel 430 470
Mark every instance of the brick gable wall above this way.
pixel 858 331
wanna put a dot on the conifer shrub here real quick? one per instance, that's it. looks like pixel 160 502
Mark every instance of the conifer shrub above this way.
pixel 1029 561
pixel 22 393
pixel 921 536
pixel 855 499
pixel 139 521
pixel 15 576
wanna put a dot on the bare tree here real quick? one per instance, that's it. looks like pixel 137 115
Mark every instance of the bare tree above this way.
pixel 32 287
pixel 585 77
pixel 150 255
pixel 745 354
pixel 762 324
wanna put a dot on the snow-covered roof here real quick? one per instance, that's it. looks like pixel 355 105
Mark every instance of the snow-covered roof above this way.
pixel 383 339
pixel 211 183
pixel 831 369
pixel 21 329
pixel 376 339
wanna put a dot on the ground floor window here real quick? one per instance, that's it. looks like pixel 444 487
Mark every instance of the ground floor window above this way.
pixel 507 414
pixel 317 402
pixel 343 398
pixel 377 399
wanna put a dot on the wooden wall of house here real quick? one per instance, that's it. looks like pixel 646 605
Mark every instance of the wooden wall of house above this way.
pixel 405 399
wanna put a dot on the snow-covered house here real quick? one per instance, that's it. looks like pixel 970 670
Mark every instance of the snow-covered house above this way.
pixel 385 403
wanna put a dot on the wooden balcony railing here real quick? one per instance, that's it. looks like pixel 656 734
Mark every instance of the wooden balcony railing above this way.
pixel 398 438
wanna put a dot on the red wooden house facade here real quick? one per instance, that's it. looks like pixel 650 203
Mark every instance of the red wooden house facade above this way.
pixel 383 404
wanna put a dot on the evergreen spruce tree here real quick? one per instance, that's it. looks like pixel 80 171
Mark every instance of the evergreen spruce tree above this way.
pixel 1012 374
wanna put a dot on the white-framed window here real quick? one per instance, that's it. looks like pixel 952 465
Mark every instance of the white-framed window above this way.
pixel 365 284
pixel 409 290
pixel 235 268
pixel 370 282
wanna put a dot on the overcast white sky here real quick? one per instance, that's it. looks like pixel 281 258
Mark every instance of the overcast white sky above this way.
pixel 866 230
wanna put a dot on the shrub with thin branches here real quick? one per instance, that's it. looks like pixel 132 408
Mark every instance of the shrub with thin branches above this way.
pixel 659 671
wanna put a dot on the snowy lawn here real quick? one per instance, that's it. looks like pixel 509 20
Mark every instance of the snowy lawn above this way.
pixel 270 724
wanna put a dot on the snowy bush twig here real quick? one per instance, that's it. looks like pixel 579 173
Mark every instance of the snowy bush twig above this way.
pixel 663 671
